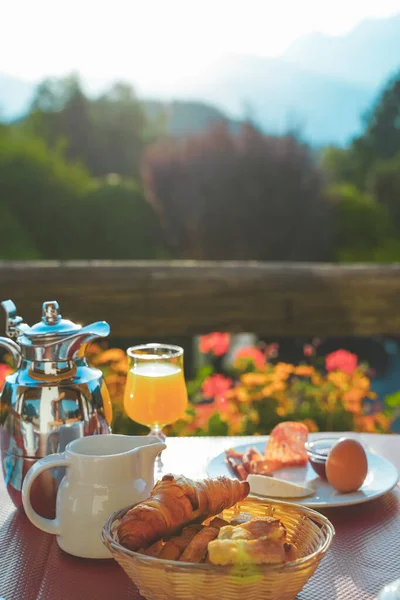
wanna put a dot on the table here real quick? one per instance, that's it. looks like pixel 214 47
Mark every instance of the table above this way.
pixel 365 554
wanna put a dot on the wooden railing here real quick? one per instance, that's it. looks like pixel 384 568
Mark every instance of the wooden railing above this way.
pixel 158 299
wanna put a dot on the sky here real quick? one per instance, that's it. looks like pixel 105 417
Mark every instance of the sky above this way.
pixel 161 40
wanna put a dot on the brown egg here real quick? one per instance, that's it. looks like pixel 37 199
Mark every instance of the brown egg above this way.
pixel 346 465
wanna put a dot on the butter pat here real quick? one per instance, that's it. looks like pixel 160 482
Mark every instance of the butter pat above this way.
pixel 262 485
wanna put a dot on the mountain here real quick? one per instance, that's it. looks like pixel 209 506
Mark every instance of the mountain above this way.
pixel 181 118
pixel 368 55
pixel 321 85
pixel 279 95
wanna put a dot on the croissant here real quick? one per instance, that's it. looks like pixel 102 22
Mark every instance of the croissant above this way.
pixel 174 503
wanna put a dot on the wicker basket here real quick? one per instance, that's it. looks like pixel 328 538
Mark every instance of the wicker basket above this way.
pixel 159 579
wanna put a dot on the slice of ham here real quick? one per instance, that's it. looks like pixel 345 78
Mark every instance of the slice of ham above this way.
pixel 286 445
pixel 285 448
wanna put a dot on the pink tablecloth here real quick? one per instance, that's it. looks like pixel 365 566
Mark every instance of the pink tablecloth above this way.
pixel 365 554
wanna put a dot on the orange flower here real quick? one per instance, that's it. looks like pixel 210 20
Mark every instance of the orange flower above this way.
pixel 250 354
pixel 278 386
pixel 254 379
pixel 111 355
pixel 268 390
pixel 365 423
pixel 215 385
pixel 353 395
pixel 361 382
pixel 352 400
pixel 341 360
pixel 93 349
pixel 317 380
pixel 304 370
pixel 215 343
pixel 377 422
pixel 339 379
pixel 283 370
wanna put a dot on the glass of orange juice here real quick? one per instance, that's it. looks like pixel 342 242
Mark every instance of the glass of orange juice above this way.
pixel 155 392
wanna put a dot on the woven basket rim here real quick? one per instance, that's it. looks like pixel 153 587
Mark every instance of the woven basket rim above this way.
pixel 317 518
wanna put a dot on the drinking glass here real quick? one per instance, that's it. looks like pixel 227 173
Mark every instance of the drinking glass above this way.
pixel 155 393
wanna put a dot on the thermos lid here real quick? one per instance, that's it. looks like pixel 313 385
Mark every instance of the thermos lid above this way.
pixel 52 323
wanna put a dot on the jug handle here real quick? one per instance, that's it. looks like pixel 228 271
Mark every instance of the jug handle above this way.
pixel 13 348
pixel 53 460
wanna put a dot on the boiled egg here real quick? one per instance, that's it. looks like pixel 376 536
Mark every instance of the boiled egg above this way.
pixel 346 465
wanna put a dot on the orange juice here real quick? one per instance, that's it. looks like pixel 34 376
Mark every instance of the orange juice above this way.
pixel 155 393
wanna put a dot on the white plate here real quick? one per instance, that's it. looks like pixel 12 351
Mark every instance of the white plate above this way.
pixel 382 477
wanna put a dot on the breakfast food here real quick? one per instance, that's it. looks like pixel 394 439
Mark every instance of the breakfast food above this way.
pixel 262 485
pixel 259 541
pixel 174 503
pixel 181 521
pixel 174 547
pixel 346 465
pixel 285 448
pixel 197 549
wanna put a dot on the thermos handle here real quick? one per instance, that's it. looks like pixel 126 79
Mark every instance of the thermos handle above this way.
pixel 53 460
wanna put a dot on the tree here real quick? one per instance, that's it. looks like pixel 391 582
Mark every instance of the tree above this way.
pixel 382 134
pixel 385 186
pixel 108 134
pixel 362 226
pixel 121 132
pixel 238 196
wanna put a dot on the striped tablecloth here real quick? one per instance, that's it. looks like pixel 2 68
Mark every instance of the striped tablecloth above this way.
pixel 364 557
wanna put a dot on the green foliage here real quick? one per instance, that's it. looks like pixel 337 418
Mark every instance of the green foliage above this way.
pixel 360 220
pixel 15 242
pixel 122 224
pixel 364 228
pixel 385 183
pixel 52 209
pixel 380 141
pixel 382 134
pixel 43 193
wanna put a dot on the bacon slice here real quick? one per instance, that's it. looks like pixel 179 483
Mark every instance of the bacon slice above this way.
pixel 234 460
pixel 286 445
pixel 250 456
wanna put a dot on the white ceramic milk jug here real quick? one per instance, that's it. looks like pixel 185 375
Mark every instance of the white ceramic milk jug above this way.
pixel 104 473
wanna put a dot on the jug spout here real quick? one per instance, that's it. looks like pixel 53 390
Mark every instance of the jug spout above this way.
pixel 148 453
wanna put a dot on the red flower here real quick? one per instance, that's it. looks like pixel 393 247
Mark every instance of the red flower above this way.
pixel 272 350
pixel 308 350
pixel 214 343
pixel 251 353
pixel 216 385
pixel 341 360
pixel 4 371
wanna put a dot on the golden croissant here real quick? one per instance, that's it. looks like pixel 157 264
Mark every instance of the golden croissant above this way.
pixel 174 503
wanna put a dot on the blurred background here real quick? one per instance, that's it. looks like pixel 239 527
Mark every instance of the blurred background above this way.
pixel 212 131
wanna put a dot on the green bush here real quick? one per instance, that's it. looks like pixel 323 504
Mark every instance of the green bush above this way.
pixel 53 209
pixel 385 186
pixel 118 223
pixel 363 228
pixel 42 192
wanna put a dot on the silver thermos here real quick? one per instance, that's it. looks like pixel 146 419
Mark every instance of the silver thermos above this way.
pixel 54 396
